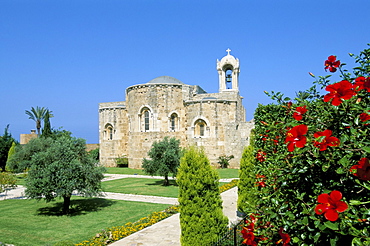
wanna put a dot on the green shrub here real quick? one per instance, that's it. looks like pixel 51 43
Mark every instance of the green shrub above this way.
pixel 246 196
pixel 310 152
pixel 122 161
pixel 7 180
pixel 223 160
pixel 201 217
pixel 94 154
pixel 11 152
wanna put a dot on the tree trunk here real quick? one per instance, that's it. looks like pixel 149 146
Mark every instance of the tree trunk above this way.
pixel 165 182
pixel 38 126
pixel 67 202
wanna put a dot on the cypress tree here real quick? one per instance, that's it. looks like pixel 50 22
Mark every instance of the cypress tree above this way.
pixel 201 218
pixel 46 132
pixel 246 184
pixel 11 152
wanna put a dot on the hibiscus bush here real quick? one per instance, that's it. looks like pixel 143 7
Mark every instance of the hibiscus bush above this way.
pixel 312 162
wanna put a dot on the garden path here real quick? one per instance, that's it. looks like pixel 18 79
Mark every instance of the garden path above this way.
pixel 163 233
pixel 167 232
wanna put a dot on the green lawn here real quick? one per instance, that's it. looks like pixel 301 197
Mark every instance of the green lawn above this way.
pixel 141 186
pixel 124 170
pixel 28 222
pixel 21 179
pixel 224 173
pixel 228 173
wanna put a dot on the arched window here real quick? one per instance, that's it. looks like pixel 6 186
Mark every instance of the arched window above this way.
pixel 200 128
pixel 144 119
pixel 108 132
pixel 173 122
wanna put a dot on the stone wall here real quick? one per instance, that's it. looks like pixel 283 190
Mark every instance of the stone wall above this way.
pixel 25 138
pixel 112 117
pixel 226 131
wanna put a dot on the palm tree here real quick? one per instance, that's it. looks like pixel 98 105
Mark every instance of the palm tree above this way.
pixel 37 115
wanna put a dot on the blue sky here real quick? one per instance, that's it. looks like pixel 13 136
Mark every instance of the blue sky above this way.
pixel 71 55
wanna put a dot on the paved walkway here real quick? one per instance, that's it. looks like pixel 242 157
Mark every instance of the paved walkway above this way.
pixel 163 233
pixel 167 232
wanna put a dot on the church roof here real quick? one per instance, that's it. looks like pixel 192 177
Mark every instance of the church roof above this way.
pixel 165 80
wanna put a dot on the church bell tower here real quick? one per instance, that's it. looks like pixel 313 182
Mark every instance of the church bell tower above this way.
pixel 228 73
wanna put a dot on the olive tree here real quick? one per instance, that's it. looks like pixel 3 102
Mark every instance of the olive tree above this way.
pixel 61 168
pixel 165 158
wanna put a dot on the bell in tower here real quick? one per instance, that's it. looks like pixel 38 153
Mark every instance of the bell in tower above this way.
pixel 228 78
pixel 228 72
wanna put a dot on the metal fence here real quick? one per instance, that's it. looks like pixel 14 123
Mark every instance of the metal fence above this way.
pixel 232 237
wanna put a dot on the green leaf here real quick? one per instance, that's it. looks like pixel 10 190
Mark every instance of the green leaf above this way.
pixel 325 167
pixel 355 202
pixel 366 148
pixel 295 239
pixel 340 170
pixel 363 184
pixel 316 237
pixel 331 225
pixel 356 242
pixel 344 161
pixel 333 241
pixel 305 221
pixel 356 120
pixel 275 201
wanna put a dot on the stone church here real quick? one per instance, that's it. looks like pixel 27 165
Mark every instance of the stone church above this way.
pixel 165 106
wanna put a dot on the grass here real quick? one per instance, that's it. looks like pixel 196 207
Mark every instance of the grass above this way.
pixel 228 173
pixel 124 170
pixel 141 186
pixel 21 179
pixel 28 222
pixel 225 173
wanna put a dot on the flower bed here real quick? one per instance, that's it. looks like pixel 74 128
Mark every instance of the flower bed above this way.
pixel 116 233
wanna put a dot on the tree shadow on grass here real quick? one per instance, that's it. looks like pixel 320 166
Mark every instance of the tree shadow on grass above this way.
pixel 77 207
pixel 161 182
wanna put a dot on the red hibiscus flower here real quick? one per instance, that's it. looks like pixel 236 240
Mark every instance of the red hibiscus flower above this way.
pixel 249 238
pixel 261 156
pixel 339 91
pixel 362 169
pixel 248 235
pixel 328 140
pixel 330 205
pixel 362 83
pixel 364 117
pixel 331 63
pixel 295 137
pixel 299 111
pixel 260 183
pixel 285 238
